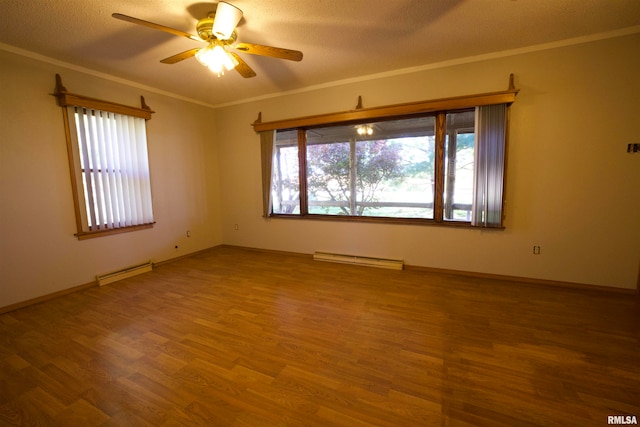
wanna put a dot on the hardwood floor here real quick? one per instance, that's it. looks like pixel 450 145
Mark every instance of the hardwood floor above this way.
pixel 234 337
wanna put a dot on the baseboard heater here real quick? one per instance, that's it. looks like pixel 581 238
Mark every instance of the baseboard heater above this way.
pixel 105 279
pixel 392 264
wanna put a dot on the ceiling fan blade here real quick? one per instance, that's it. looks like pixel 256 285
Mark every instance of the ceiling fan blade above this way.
pixel 242 68
pixel 180 56
pixel 274 52
pixel 155 26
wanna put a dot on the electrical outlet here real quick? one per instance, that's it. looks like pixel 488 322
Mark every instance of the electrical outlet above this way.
pixel 536 250
pixel 188 233
pixel 236 227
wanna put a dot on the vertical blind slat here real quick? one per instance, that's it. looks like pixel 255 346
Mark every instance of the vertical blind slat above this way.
pixel 118 167
pixel 135 172
pixel 141 135
pixel 103 168
pixel 110 176
pixel 90 134
pixel 126 171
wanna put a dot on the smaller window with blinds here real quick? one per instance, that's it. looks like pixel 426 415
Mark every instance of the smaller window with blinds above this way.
pixel 109 163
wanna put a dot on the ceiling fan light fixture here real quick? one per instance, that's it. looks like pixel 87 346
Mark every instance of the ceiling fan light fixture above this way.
pixel 216 59
pixel 363 130
pixel 226 20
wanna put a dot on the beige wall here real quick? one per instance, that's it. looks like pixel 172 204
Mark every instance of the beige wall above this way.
pixel 571 187
pixel 38 253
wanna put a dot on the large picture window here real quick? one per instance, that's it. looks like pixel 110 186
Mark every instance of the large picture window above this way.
pixel 414 163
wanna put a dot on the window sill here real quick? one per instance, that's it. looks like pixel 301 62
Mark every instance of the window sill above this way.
pixel 84 235
pixel 384 220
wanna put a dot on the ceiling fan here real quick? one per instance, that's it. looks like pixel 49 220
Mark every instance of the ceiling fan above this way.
pixel 218 31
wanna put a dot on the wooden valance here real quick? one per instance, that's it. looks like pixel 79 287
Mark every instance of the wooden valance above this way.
pixel 69 99
pixel 362 114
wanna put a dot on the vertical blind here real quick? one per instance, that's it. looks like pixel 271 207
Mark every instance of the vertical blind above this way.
pixel 488 186
pixel 267 139
pixel 113 159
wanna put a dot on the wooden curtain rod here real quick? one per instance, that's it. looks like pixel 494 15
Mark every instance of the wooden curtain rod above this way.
pixel 69 99
pixel 360 113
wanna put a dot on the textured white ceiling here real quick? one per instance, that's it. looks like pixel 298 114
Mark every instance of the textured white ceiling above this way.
pixel 340 39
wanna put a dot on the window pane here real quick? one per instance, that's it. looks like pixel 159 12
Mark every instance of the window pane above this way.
pixel 373 169
pixel 285 187
pixel 328 177
pixel 459 166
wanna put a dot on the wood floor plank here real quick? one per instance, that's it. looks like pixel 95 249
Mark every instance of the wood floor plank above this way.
pixel 240 337
pixel 80 413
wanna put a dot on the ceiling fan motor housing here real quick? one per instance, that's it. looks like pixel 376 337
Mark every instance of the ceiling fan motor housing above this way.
pixel 204 27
